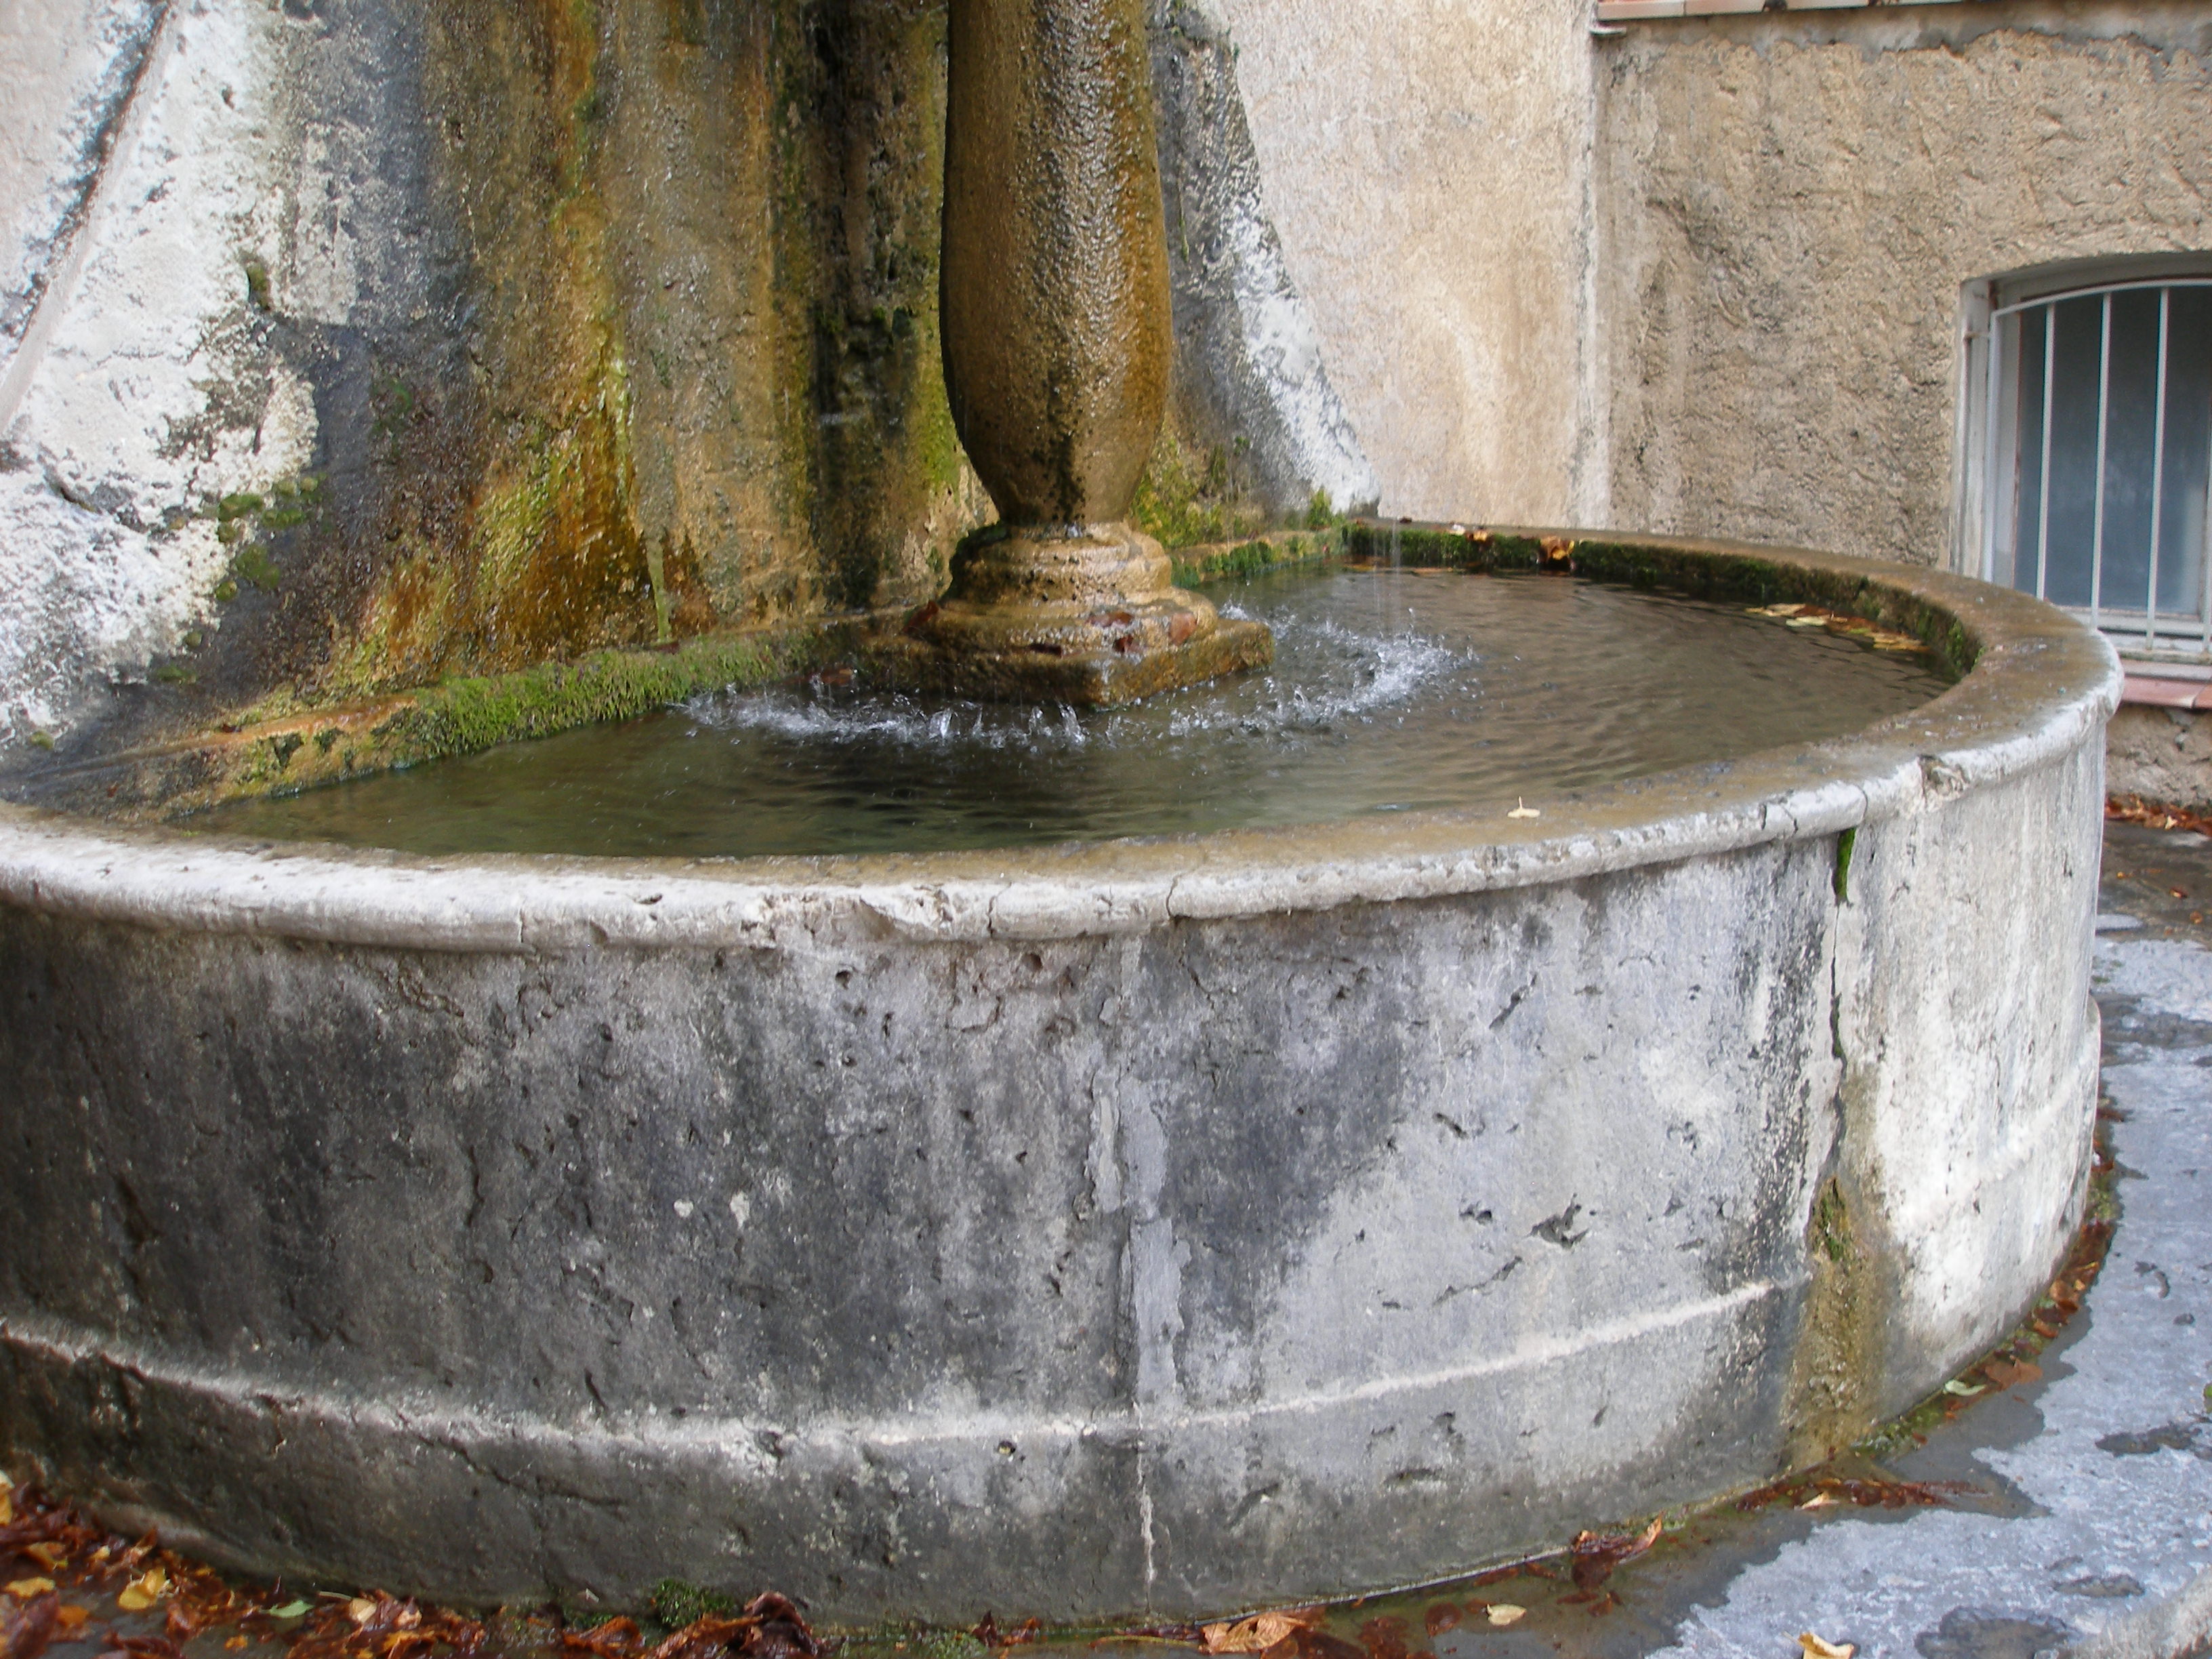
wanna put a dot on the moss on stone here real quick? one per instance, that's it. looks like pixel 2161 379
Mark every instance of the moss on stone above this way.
pixel 1187 497
pixel 1830 1404
pixel 1196 566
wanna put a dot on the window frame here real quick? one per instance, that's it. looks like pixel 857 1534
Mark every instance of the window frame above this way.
pixel 1983 457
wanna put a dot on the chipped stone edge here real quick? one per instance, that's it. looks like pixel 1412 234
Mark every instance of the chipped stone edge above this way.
pixel 2041 685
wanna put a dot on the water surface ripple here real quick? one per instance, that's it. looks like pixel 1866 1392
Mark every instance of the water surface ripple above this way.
pixel 1392 692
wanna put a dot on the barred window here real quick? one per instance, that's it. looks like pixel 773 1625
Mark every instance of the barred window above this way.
pixel 2097 419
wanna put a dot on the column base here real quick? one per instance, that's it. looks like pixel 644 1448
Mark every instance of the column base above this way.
pixel 1091 617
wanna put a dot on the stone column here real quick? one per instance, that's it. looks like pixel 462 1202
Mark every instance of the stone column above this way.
pixel 1058 337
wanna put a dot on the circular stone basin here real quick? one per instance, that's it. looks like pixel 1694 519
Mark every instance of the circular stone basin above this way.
pixel 1151 1226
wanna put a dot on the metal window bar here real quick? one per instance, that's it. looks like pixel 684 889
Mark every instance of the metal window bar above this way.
pixel 2006 467
pixel 2157 467
pixel 2043 477
pixel 2104 430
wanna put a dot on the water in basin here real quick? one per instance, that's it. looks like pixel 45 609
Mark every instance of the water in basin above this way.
pixel 1392 692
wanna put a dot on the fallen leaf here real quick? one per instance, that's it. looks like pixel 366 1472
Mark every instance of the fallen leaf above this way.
pixel 1383 1638
pixel 1819 1500
pixel 238 1642
pixel 1964 1390
pixel 2007 1375
pixel 1522 810
pixel 1441 1617
pixel 360 1609
pixel 1596 1554
pixel 24 1589
pixel 1776 610
pixel 1254 1635
pixel 1504 1613
pixel 142 1592
pixel 51 1556
pixel 1816 1648
pixel 25 1631
pixel 7 1502
pixel 289 1610
pixel 68 1616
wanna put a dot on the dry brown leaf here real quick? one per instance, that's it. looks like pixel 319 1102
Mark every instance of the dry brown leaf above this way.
pixel 1817 1648
pixel 142 1592
pixel 70 1616
pixel 1504 1613
pixel 51 1556
pixel 1254 1635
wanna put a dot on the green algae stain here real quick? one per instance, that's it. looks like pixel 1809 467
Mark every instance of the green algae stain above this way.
pixel 1831 1402
pixel 1187 494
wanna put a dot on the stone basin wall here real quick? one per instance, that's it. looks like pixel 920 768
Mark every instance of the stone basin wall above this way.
pixel 1151 1227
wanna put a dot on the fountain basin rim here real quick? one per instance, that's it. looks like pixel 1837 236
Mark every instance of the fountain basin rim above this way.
pixel 2040 679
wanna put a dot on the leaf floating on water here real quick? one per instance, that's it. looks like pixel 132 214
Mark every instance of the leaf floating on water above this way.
pixel 1441 1617
pixel 142 1592
pixel 1819 1648
pixel 2007 1375
pixel 1819 1500
pixel 290 1610
pixel 1504 1613
pixel 1522 810
pixel 1964 1390
pixel 68 1616
pixel 24 1589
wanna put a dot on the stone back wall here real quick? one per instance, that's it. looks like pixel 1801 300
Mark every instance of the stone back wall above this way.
pixel 1787 209
pixel 350 345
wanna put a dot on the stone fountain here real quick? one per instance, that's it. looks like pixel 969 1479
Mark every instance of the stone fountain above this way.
pixel 1152 1226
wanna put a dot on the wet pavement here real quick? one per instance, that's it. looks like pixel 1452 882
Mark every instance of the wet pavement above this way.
pixel 2057 1499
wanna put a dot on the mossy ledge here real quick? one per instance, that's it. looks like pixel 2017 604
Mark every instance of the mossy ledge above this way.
pixel 1282 550
pixel 273 749
pixel 284 753
pixel 1697 570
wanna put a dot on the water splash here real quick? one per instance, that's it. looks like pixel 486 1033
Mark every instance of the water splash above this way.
pixel 1328 674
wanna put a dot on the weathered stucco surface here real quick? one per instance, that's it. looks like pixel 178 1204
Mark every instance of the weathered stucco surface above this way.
pixel 1152 1226
pixel 1788 207
pixel 1426 165
pixel 2161 754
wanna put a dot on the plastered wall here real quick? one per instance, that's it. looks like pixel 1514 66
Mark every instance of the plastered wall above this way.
pixel 1788 207
pixel 1426 164
pixel 1700 277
